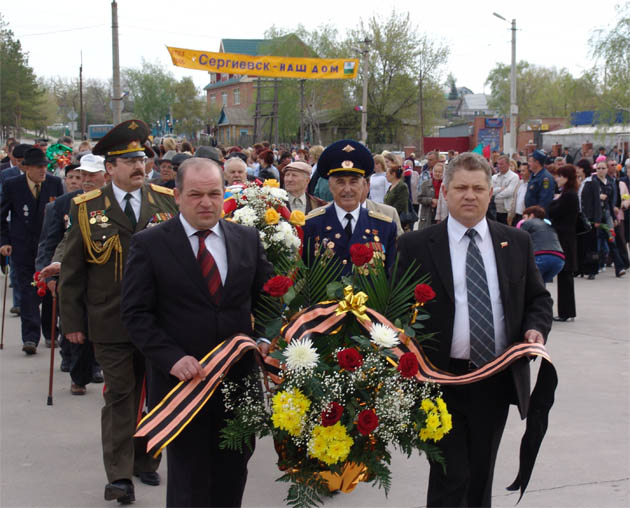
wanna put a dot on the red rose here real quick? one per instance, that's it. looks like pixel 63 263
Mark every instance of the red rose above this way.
pixel 41 292
pixel 368 421
pixel 332 414
pixel 278 286
pixel 349 359
pixel 423 293
pixel 408 365
pixel 360 254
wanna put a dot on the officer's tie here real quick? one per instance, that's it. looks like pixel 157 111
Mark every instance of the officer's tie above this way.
pixel 129 210
pixel 209 268
pixel 479 306
pixel 38 189
pixel 348 228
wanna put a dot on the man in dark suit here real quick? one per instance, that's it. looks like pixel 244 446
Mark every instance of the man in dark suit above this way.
pixel 489 294
pixel 189 284
pixel 25 198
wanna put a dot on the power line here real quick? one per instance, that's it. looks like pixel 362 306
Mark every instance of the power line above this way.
pixel 60 31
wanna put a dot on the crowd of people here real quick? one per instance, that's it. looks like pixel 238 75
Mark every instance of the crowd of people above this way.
pixel 77 225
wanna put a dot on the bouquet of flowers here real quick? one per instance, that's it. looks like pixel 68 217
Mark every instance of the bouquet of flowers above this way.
pixel 610 231
pixel 264 207
pixel 346 390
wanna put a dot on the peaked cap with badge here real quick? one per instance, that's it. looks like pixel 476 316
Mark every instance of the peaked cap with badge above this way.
pixel 127 139
pixel 345 158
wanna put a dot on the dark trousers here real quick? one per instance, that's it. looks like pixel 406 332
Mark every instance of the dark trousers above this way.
pixel 620 241
pixel 29 301
pixel 479 412
pixel 566 295
pixel 201 474
pixel 82 362
pixel 123 369
pixel 17 299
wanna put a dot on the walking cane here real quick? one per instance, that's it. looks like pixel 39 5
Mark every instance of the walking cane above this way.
pixel 52 348
pixel 4 302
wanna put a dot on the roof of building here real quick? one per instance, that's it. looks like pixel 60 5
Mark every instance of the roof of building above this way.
pixel 235 116
pixel 219 84
pixel 241 46
pixel 475 101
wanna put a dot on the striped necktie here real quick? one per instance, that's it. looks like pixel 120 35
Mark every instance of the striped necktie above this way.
pixel 482 347
pixel 209 268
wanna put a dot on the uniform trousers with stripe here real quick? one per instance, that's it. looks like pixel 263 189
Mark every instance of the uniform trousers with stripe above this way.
pixel 479 412
pixel 199 472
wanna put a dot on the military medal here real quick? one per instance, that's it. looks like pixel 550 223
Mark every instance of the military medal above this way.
pixel 25 210
pixel 328 228
pixel 337 236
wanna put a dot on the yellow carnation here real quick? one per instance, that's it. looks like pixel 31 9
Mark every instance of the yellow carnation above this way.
pixel 330 444
pixel 271 182
pixel 271 216
pixel 288 410
pixel 297 218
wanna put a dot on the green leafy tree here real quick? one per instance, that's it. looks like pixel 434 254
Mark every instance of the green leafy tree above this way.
pixel 152 91
pixel 452 85
pixel 188 108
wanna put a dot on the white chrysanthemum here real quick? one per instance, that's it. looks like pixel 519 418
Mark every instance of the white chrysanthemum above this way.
pixel 300 354
pixel 384 336
pixel 246 216
pixel 263 239
pixel 276 192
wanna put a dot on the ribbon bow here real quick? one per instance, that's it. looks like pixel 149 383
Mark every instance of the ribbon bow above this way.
pixel 353 303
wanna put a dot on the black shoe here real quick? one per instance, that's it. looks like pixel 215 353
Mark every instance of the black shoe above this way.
pixel 15 311
pixel 150 478
pixel 122 490
pixel 621 273
pixel 30 348
pixel 65 365
pixel 591 276
pixel 563 319
pixel 97 377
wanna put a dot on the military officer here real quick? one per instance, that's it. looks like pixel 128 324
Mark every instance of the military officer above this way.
pixel 541 187
pixel 102 223
pixel 345 222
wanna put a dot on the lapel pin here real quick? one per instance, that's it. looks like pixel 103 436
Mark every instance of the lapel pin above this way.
pixel 504 245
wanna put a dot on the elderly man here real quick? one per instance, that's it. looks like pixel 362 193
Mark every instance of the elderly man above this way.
pixel 235 171
pixel 296 178
pixel 345 222
pixel 503 185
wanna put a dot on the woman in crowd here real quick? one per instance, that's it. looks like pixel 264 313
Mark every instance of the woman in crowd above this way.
pixel 563 212
pixel 515 214
pixel 398 194
pixel 428 196
pixel 267 169
pixel 378 181
pixel 547 249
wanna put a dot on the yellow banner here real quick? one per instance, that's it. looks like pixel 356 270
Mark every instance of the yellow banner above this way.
pixel 268 66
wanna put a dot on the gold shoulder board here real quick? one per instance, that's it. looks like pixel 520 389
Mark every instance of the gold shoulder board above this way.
pixel 162 190
pixel 82 198
pixel 316 213
pixel 379 216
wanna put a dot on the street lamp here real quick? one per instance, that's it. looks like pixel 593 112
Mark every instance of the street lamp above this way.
pixel 513 105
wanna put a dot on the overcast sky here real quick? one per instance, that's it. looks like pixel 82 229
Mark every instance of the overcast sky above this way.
pixel 550 33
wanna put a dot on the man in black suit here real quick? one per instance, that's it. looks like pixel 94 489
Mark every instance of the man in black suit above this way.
pixel 189 284
pixel 489 294
pixel 25 198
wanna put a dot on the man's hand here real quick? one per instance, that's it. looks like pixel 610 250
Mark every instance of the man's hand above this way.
pixel 534 336
pixel 76 337
pixel 264 347
pixel 603 197
pixel 52 286
pixel 5 250
pixel 50 271
pixel 186 368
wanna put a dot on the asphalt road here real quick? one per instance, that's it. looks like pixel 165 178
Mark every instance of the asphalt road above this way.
pixel 50 456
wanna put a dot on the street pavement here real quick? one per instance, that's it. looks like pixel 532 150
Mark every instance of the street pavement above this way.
pixel 50 456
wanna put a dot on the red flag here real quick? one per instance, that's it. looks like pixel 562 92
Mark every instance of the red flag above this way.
pixel 486 151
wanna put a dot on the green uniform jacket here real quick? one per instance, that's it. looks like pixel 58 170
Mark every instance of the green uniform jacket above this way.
pixel 89 292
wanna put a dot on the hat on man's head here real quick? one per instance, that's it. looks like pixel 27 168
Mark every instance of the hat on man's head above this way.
pixel 209 152
pixel 345 158
pixel 92 163
pixel 178 158
pixel 300 167
pixel 35 157
pixel 70 167
pixel 168 156
pixel 20 150
pixel 540 156
pixel 127 139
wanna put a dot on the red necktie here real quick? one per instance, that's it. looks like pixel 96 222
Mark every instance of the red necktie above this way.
pixel 209 268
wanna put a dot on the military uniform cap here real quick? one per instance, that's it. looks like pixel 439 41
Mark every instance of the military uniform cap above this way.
pixel 127 139
pixel 345 158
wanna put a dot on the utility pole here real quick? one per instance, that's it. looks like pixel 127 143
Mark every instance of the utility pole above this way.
pixel 82 119
pixel 513 105
pixel 302 113
pixel 365 54
pixel 116 97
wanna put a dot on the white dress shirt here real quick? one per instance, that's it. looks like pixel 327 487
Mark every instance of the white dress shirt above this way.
pixel 136 200
pixel 341 215
pixel 298 202
pixel 458 246
pixel 215 243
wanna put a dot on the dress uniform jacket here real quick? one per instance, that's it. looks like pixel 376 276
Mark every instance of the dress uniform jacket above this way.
pixel 323 229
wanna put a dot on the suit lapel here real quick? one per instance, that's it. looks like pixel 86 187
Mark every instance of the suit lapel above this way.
pixel 441 255
pixel 502 258
pixel 362 225
pixel 113 210
pixel 232 242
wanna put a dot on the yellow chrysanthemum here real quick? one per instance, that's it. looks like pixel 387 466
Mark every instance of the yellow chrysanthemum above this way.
pixel 289 408
pixel 271 182
pixel 271 216
pixel 438 421
pixel 330 444
pixel 297 218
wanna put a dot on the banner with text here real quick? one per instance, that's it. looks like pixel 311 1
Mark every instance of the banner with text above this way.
pixel 268 66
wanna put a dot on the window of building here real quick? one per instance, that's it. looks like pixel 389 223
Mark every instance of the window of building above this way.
pixel 224 98
pixel 237 96
pixel 213 99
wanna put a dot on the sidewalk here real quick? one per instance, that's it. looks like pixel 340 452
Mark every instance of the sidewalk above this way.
pixel 50 456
